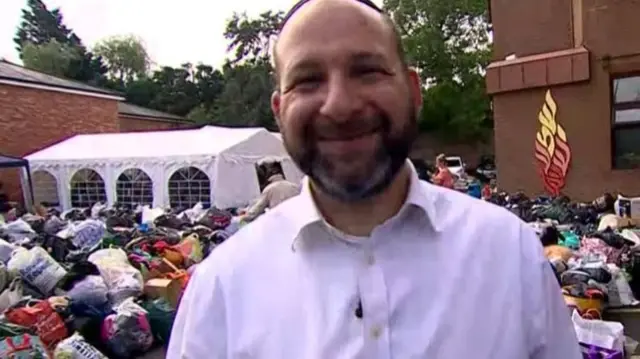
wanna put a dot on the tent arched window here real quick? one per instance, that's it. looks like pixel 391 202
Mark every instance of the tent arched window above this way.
pixel 134 187
pixel 188 186
pixel 87 188
pixel 45 188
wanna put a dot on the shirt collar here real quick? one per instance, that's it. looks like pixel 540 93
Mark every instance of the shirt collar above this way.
pixel 306 212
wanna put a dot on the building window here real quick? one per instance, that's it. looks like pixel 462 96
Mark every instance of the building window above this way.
pixel 626 122
pixel 187 187
pixel 134 187
pixel 87 188
pixel 45 189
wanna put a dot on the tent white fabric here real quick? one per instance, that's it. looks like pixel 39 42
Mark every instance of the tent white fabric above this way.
pixel 277 134
pixel 227 155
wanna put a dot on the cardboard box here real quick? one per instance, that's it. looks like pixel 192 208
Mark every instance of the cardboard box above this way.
pixel 169 289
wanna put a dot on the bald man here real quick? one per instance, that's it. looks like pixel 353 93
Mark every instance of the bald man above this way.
pixel 368 261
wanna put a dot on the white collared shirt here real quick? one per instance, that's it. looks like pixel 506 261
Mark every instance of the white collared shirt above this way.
pixel 449 277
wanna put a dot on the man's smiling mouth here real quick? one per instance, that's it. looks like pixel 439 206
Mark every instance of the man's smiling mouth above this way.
pixel 349 137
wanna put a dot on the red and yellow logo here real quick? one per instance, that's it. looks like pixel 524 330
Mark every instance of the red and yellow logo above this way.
pixel 553 153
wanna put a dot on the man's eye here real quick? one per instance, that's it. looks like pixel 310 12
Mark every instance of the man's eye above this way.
pixel 307 80
pixel 306 83
pixel 367 70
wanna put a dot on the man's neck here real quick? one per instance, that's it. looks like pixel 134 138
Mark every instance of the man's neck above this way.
pixel 359 219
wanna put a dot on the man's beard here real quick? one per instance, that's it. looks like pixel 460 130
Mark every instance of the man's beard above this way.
pixel 382 166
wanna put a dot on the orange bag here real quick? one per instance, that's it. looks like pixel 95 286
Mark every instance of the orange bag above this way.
pixel 179 274
pixel 39 315
pixel 174 256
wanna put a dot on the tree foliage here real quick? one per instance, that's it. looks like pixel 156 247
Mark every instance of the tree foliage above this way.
pixel 177 90
pixel 126 58
pixel 40 26
pixel 251 39
pixel 447 41
pixel 52 58
pixel 248 75
pixel 246 97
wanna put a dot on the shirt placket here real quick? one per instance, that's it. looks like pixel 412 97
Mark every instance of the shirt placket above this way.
pixel 375 308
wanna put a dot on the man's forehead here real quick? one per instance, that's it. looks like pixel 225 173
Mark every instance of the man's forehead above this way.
pixel 329 23
pixel 309 10
pixel 302 3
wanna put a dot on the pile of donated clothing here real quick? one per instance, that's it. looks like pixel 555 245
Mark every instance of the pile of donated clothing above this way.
pixel 594 249
pixel 106 282
pixel 99 282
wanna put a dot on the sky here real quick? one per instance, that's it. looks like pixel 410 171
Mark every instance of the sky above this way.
pixel 174 32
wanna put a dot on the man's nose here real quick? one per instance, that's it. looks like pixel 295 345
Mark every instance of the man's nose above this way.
pixel 342 99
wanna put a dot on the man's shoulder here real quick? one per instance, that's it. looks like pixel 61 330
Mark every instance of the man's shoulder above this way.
pixel 485 230
pixel 453 207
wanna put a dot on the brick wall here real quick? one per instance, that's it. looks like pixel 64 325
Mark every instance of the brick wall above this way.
pixel 32 119
pixel 525 27
pixel 133 124
pixel 584 109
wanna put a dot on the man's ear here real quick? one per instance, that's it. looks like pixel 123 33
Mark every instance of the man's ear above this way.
pixel 415 86
pixel 275 106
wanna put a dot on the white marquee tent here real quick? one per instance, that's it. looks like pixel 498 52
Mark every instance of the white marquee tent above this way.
pixel 226 155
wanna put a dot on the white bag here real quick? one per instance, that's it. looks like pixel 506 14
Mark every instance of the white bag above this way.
pixel 18 230
pixel 6 249
pixel 620 293
pixel 88 233
pixel 91 290
pixel 607 335
pixel 12 295
pixel 150 214
pixel 108 256
pixel 96 209
pixel 122 279
pixel 193 214
pixel 76 347
pixel 37 268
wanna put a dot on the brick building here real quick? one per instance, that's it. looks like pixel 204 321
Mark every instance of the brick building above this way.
pixel 38 110
pixel 566 96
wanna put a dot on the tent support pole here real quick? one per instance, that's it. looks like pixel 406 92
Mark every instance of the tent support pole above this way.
pixel 31 202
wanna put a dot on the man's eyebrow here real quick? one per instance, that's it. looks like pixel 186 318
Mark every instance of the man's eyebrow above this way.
pixel 369 57
pixel 302 66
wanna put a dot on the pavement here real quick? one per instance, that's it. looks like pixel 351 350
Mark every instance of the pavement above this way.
pixel 158 353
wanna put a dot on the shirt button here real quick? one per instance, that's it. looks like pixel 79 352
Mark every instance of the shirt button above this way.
pixel 375 332
pixel 371 260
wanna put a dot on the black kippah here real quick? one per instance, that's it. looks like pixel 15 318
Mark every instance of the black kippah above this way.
pixel 300 3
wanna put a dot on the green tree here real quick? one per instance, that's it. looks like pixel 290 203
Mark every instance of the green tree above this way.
pixel 141 92
pixel 447 41
pixel 248 75
pixel 251 39
pixel 186 90
pixel 125 57
pixel 200 115
pixel 52 57
pixel 177 93
pixel 209 85
pixel 246 97
pixel 39 26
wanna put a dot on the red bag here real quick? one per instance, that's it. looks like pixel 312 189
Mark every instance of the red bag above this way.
pixel 39 315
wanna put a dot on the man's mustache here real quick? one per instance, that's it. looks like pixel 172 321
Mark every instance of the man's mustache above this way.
pixel 349 130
